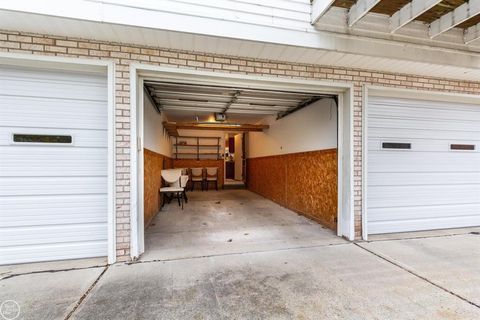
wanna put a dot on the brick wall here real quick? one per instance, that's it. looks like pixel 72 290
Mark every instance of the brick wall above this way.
pixel 123 55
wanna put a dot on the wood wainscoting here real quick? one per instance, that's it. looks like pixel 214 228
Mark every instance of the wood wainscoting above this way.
pixel 152 167
pixel 202 163
pixel 304 182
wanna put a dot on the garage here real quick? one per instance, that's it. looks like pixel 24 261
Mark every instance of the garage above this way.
pixel 54 156
pixel 266 151
pixel 423 163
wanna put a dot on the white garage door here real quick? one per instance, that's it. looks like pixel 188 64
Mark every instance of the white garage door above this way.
pixel 423 165
pixel 53 165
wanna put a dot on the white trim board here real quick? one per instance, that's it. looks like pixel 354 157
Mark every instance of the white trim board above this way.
pixel 138 72
pixel 84 65
pixel 372 90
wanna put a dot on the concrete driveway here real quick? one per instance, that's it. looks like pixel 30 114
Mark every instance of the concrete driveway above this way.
pixel 433 277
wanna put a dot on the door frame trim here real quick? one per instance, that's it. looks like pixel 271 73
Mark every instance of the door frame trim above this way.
pixel 345 92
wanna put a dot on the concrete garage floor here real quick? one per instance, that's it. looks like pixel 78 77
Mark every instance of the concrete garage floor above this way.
pixel 226 222
pixel 433 275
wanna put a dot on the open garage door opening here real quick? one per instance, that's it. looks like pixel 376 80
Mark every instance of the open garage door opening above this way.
pixel 261 164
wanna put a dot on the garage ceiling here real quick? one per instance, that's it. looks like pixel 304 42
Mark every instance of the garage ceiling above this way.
pixel 186 102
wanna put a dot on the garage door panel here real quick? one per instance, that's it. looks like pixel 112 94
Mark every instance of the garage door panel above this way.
pixel 53 196
pixel 424 212
pixel 412 162
pixel 28 186
pixel 58 251
pixel 422 178
pixel 421 110
pixel 423 145
pixel 412 113
pixel 72 90
pixel 415 125
pixel 418 134
pixel 422 224
pixel 33 235
pixel 399 196
pixel 52 113
pixel 81 138
pixel 60 209
pixel 428 186
pixel 52 84
pixel 420 104
pixel 21 161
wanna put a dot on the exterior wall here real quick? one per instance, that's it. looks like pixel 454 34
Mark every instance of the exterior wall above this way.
pixel 304 182
pixel 123 55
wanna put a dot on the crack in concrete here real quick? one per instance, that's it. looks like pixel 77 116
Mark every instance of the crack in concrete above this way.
pixel 50 271
pixel 237 253
pixel 398 265
pixel 206 228
pixel 84 296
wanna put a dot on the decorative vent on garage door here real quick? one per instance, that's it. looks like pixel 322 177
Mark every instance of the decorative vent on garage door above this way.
pixel 462 147
pixel 396 145
pixel 41 138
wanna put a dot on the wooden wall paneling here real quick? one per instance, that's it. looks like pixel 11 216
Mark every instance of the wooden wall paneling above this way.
pixel 304 182
pixel 266 176
pixel 152 167
pixel 311 185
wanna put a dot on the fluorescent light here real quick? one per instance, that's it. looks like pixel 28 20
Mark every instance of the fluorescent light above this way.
pixel 220 124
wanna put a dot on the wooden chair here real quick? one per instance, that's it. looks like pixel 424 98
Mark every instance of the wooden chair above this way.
pixel 196 176
pixel 211 176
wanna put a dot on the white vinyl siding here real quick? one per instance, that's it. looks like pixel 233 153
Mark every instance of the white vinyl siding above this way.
pixel 428 186
pixel 284 14
pixel 53 197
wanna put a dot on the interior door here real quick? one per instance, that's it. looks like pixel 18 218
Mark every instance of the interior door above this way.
pixel 238 157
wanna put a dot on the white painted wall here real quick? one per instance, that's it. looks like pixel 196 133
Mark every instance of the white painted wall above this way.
pixel 156 139
pixel 311 128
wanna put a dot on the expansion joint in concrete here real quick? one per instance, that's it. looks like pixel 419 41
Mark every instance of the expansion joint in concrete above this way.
pixel 49 271
pixel 238 253
pixel 85 295
pixel 398 265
